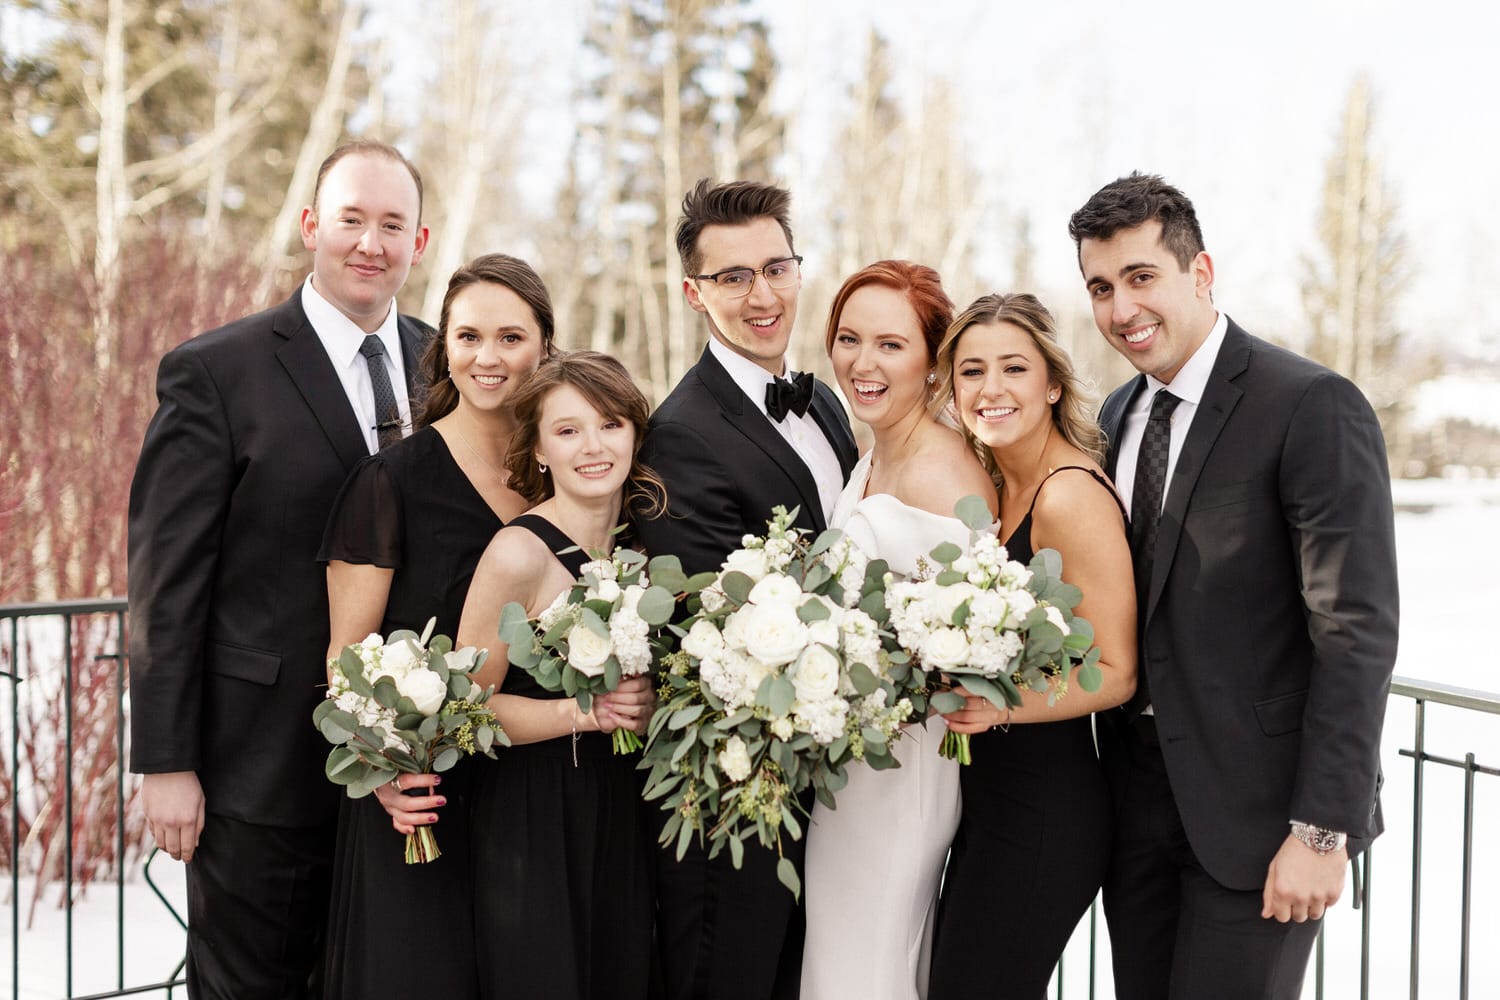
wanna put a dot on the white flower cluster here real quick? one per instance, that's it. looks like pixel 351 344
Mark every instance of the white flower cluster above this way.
pixel 767 637
pixel 971 621
pixel 628 639
pixel 405 664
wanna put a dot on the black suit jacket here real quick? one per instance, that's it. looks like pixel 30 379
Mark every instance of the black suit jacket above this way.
pixel 1268 631
pixel 250 443
pixel 726 467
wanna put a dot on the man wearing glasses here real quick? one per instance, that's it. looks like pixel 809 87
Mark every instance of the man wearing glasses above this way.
pixel 739 435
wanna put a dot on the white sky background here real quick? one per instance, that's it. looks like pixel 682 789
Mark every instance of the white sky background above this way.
pixel 1238 106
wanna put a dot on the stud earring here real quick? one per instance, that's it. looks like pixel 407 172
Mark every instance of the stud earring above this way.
pixel 931 377
pixel 1052 398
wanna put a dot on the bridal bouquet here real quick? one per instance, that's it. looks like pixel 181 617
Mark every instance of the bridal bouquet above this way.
pixel 784 676
pixel 608 626
pixel 994 625
pixel 408 705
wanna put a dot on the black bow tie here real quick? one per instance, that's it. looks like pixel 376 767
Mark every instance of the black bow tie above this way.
pixel 783 397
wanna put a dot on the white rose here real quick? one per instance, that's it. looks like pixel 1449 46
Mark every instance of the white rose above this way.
pixel 425 689
pixel 587 650
pixel 781 727
pixel 947 599
pixel 751 562
pixel 776 589
pixel 734 759
pixel 1055 616
pixel 702 640
pixel 773 633
pixel 606 590
pixel 825 632
pixel 816 675
pixel 945 647
pixel 396 661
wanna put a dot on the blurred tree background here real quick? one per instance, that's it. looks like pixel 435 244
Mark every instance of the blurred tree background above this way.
pixel 156 156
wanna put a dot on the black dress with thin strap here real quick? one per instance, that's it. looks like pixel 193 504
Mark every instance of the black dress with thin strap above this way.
pixel 411 509
pixel 562 857
pixel 1031 849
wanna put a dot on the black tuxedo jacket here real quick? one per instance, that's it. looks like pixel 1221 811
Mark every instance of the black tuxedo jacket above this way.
pixel 1268 631
pixel 250 443
pixel 726 467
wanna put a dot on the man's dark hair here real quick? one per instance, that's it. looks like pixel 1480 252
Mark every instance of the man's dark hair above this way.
pixel 368 147
pixel 731 204
pixel 1133 201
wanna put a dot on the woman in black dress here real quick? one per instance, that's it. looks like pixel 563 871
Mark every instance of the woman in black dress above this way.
pixel 401 546
pixel 1034 840
pixel 562 845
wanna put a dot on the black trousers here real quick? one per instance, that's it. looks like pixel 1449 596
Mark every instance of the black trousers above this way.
pixel 258 910
pixel 1175 932
pixel 727 933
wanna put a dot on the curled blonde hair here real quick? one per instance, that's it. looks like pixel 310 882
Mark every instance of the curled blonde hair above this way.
pixel 1072 414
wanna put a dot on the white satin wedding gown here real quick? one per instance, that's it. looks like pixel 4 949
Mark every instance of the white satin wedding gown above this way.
pixel 874 863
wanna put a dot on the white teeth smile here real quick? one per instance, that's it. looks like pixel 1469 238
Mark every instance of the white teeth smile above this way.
pixel 1141 336
pixel 490 380
pixel 867 388
pixel 762 323
pixel 589 470
pixel 996 412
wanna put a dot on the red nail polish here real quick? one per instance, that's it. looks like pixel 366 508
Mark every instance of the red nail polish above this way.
pixel 442 801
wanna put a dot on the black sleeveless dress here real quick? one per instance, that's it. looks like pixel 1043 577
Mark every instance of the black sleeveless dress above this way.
pixel 1030 852
pixel 399 930
pixel 561 858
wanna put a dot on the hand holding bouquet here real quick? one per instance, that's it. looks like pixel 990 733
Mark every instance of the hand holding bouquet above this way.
pixel 404 705
pixel 607 627
pixel 782 679
pixel 996 626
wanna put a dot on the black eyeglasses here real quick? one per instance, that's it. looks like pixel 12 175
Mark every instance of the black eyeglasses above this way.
pixel 736 282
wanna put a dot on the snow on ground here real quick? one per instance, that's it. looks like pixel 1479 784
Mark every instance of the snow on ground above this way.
pixel 1446 535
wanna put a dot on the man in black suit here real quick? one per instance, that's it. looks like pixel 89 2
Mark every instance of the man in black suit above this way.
pixel 1246 768
pixel 734 439
pixel 259 422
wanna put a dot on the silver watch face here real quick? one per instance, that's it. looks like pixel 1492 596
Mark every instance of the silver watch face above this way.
pixel 1320 840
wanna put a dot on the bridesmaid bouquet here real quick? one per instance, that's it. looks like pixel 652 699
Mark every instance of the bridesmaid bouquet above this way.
pixel 993 625
pixel 783 677
pixel 404 705
pixel 608 626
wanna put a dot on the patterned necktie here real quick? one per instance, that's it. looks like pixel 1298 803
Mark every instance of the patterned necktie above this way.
pixel 795 396
pixel 1145 512
pixel 387 413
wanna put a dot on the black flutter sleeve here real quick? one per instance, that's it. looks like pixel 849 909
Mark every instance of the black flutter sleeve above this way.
pixel 365 525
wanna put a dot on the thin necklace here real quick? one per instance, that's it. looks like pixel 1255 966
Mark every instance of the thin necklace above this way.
pixel 475 452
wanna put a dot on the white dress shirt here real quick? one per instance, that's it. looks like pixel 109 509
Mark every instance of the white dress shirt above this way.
pixel 802 433
pixel 342 338
pixel 1187 386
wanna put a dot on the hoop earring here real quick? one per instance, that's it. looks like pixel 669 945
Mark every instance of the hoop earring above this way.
pixel 541 467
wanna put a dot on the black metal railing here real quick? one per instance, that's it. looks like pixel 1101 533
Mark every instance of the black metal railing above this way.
pixel 87 657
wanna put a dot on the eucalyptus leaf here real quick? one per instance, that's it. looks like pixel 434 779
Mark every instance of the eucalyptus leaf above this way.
pixel 446 758
pixel 786 873
pixel 656 606
pixel 945 553
pixel 944 702
pixel 813 611
pixel 1047 562
pixel 863 678
pixel 825 541
pixel 515 627
pixel 781 696
pixel 737 586
pixel 337 727
pixel 974 513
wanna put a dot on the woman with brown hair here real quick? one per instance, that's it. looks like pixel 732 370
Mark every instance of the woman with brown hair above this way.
pixel 401 545
pixel 563 845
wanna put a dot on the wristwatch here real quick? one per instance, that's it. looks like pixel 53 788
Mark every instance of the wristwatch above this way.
pixel 1321 840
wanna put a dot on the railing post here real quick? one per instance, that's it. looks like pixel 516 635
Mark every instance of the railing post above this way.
pixel 68 793
pixel 15 811
pixel 1419 751
pixel 1468 869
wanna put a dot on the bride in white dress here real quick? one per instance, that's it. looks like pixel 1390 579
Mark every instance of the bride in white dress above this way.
pixel 875 862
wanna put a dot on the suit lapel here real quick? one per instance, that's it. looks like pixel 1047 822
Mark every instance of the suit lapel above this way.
pixel 414 337
pixel 305 360
pixel 1220 396
pixel 830 417
pixel 749 421
pixel 1112 420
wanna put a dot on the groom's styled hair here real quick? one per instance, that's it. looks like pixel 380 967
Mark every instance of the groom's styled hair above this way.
pixel 1134 201
pixel 731 204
